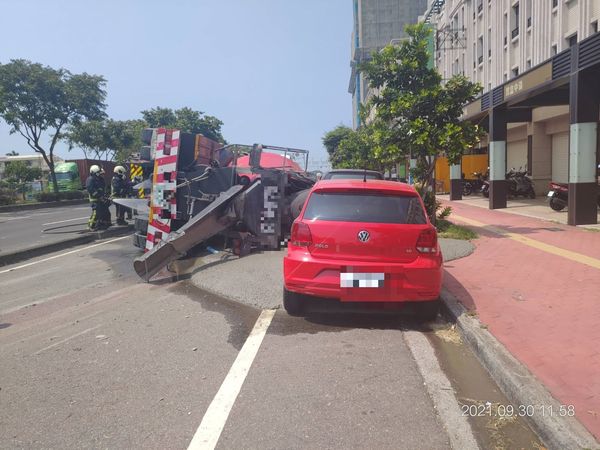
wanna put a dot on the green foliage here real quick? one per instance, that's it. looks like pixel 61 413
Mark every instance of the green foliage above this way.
pixel 449 230
pixel 332 139
pixel 107 140
pixel 7 193
pixel 57 196
pixel 185 119
pixel 38 102
pixel 417 115
pixel 12 153
pixel 20 172
pixel 433 206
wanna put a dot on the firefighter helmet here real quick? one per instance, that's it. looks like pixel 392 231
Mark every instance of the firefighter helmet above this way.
pixel 120 170
pixel 96 170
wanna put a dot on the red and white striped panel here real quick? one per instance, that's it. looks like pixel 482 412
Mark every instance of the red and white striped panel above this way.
pixel 163 201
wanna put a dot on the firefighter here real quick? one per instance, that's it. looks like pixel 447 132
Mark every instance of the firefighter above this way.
pixel 99 201
pixel 120 189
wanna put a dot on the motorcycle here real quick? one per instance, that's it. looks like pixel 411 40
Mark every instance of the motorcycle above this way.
pixel 558 196
pixel 476 184
pixel 519 184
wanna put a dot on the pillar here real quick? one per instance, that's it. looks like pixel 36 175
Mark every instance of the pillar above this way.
pixel 497 153
pixel 584 110
pixel 539 157
pixel 456 182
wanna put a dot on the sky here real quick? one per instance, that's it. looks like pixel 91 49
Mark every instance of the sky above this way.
pixel 274 71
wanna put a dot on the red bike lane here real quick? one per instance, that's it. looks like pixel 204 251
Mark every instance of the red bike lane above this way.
pixel 536 286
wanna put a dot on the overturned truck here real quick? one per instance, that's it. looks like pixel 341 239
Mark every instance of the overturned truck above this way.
pixel 199 189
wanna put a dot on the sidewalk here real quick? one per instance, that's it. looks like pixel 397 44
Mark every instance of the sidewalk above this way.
pixel 536 286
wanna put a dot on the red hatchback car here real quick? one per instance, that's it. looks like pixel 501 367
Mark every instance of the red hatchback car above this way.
pixel 363 241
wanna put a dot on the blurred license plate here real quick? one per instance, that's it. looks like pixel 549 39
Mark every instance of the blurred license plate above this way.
pixel 361 280
pixel 550 193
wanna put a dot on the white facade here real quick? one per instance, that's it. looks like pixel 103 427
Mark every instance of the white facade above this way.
pixel 492 41
pixel 30 160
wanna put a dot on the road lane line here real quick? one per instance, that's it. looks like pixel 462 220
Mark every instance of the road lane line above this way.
pixel 548 248
pixel 8 219
pixel 67 339
pixel 441 392
pixel 63 254
pixel 67 220
pixel 208 433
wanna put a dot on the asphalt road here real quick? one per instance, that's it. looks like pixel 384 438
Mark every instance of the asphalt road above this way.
pixel 94 358
pixel 25 229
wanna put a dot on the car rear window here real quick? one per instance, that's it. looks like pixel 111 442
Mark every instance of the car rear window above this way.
pixel 365 207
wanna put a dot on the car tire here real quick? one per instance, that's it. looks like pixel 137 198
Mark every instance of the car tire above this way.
pixel 428 311
pixel 292 302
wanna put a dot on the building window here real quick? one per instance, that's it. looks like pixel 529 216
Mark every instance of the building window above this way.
pixel 572 40
pixel 515 72
pixel 529 64
pixel 505 76
pixel 594 26
pixel 479 6
pixel 514 21
pixel 480 50
pixel 528 12
pixel 489 42
pixel 554 49
pixel 505 28
pixel 554 3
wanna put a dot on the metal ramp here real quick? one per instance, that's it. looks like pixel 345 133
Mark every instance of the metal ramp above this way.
pixel 221 214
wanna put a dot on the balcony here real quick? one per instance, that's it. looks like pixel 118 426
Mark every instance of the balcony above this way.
pixel 514 33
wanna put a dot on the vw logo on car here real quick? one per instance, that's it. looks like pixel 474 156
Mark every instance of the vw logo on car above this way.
pixel 363 236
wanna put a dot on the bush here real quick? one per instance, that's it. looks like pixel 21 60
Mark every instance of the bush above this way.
pixel 433 206
pixel 71 195
pixel 53 197
pixel 47 197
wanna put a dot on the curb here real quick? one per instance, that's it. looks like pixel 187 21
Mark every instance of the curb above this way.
pixel 519 385
pixel 41 205
pixel 38 250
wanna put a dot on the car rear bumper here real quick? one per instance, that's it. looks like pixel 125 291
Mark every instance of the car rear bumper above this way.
pixel 420 280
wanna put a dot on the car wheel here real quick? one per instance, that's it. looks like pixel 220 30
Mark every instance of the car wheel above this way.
pixel 292 302
pixel 428 311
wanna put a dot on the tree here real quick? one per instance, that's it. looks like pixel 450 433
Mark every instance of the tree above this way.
pixel 185 119
pixel 332 139
pixel 415 114
pixel 110 140
pixel 12 153
pixel 20 172
pixel 36 99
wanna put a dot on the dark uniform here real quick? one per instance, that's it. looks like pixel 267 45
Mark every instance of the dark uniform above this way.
pixel 100 218
pixel 120 189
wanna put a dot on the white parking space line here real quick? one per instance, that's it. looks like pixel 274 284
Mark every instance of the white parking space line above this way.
pixel 208 433
pixel 67 339
pixel 441 392
pixel 67 220
pixel 62 254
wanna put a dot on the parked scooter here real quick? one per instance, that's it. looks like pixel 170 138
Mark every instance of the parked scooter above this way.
pixel 558 196
pixel 519 184
pixel 475 185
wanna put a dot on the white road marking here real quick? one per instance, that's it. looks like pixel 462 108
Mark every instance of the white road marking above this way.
pixel 13 218
pixel 67 339
pixel 208 433
pixel 441 392
pixel 62 254
pixel 67 220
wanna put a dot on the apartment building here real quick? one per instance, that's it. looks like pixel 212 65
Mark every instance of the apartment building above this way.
pixel 538 62
pixel 376 24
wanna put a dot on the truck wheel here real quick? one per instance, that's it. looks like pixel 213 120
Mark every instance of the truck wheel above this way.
pixel 556 205
pixel 292 302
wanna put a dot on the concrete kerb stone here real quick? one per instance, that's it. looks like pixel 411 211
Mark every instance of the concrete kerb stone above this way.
pixel 519 385
pixel 41 205
pixel 38 250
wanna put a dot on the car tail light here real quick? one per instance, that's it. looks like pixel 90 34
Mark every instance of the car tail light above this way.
pixel 427 242
pixel 301 236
